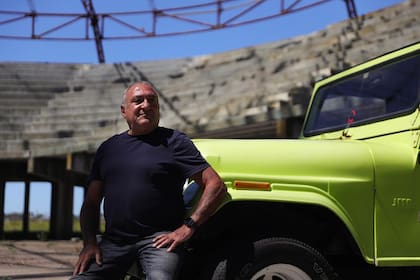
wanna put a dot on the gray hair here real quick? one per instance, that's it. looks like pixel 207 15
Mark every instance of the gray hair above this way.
pixel 133 84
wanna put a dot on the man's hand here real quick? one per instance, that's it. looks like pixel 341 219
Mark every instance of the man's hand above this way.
pixel 86 256
pixel 173 239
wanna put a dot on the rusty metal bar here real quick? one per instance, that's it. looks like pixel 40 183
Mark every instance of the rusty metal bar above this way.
pixel 90 10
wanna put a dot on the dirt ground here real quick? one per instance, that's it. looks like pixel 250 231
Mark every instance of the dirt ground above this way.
pixel 49 260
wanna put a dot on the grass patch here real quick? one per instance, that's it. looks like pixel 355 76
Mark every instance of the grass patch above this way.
pixel 41 225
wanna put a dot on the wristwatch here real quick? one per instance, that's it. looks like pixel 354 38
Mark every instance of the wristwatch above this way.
pixel 189 222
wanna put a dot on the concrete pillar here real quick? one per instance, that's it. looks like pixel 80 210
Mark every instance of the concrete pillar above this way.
pixel 61 220
pixel 26 208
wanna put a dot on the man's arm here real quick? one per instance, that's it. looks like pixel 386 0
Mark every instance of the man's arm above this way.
pixel 213 194
pixel 89 224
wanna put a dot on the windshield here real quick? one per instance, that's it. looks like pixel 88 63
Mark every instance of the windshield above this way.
pixel 380 93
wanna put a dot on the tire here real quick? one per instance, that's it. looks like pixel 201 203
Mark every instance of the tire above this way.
pixel 274 258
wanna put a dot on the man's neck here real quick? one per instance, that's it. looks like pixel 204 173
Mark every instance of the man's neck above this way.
pixel 140 132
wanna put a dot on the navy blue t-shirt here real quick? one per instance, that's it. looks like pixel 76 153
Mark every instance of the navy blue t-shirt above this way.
pixel 143 178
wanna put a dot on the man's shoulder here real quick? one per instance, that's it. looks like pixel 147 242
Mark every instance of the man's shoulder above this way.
pixel 115 138
pixel 164 130
pixel 171 134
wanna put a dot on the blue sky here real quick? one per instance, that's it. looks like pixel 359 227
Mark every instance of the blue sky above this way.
pixel 39 202
pixel 156 48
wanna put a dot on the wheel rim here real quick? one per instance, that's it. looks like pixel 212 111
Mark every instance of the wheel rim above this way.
pixel 281 271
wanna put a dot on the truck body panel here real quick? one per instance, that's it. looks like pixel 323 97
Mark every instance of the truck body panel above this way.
pixel 358 157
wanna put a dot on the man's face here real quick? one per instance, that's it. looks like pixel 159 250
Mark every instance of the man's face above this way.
pixel 141 109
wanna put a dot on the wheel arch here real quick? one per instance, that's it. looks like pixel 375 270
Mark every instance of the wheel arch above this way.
pixel 313 224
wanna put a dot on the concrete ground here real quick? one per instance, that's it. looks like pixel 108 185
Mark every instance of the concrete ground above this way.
pixel 54 260
pixel 49 260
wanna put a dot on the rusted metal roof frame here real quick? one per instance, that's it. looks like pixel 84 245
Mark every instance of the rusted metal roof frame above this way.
pixel 181 14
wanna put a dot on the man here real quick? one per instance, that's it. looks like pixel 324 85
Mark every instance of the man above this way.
pixel 140 174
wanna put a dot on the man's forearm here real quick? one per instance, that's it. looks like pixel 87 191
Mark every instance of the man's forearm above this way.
pixel 210 200
pixel 89 223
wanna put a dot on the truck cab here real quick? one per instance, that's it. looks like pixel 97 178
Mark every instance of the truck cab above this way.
pixel 348 188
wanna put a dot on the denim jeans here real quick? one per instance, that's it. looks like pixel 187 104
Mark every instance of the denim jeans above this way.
pixel 157 264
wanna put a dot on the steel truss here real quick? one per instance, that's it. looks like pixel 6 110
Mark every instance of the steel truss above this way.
pixel 150 23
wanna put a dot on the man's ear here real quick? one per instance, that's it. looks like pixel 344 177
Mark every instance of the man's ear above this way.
pixel 122 109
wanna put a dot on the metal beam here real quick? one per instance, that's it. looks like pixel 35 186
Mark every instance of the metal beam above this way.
pixel 194 18
pixel 200 17
pixel 90 10
pixel 351 8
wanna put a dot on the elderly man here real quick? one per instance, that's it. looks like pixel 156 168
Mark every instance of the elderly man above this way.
pixel 140 175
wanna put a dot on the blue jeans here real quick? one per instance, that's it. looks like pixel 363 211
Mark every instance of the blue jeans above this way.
pixel 157 264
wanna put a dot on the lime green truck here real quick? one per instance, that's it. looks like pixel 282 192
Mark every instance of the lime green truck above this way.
pixel 348 190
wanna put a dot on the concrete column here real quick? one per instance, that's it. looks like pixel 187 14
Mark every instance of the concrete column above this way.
pixel 61 221
pixel 26 208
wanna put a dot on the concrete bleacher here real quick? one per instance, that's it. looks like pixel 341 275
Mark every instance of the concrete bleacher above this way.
pixel 78 115
pixel 55 109
pixel 25 89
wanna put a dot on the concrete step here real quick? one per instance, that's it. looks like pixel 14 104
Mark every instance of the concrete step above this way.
pixel 74 116
pixel 10 134
pixel 62 111
pixel 61 135
pixel 12 146
pixel 30 101
pixel 63 125
pixel 11 126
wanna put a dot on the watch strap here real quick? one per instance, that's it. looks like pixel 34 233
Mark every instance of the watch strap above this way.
pixel 189 222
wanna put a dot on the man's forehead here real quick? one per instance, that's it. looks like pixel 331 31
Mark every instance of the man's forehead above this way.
pixel 142 89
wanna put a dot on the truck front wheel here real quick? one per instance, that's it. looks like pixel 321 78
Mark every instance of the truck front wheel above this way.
pixel 275 258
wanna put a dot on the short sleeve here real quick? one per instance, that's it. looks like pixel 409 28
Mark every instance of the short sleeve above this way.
pixel 187 156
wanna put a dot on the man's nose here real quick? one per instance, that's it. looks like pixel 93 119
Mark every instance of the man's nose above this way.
pixel 145 104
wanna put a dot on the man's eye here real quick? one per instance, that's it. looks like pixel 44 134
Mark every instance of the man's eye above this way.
pixel 151 100
pixel 138 100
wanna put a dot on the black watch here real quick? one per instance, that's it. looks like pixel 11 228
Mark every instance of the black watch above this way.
pixel 189 222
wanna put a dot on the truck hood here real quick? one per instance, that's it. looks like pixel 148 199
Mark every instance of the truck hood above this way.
pixel 334 174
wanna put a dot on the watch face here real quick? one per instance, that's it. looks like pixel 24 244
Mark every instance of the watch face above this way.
pixel 190 223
